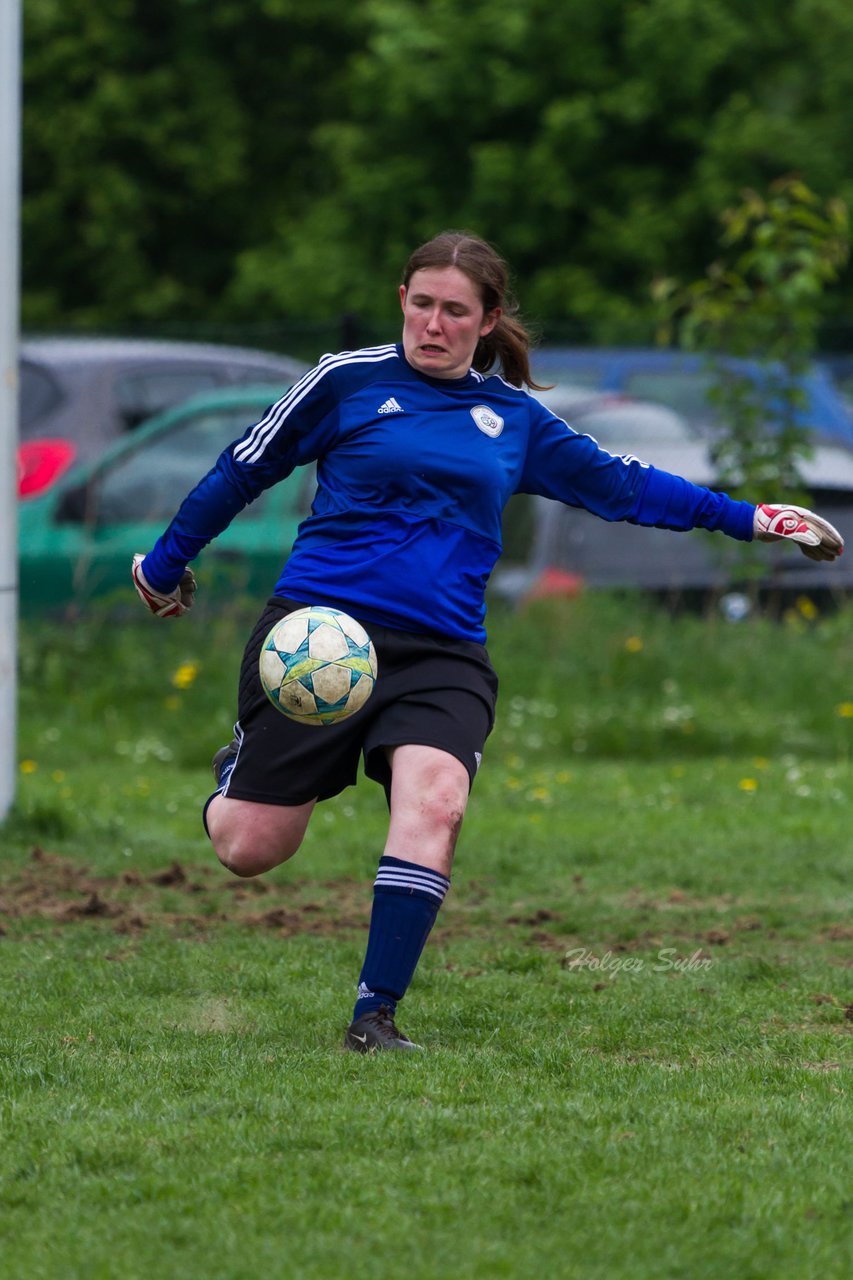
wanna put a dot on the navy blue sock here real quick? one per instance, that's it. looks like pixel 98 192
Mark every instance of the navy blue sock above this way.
pixel 406 898
pixel 224 775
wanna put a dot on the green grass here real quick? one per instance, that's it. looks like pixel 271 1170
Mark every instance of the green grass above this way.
pixel 636 1003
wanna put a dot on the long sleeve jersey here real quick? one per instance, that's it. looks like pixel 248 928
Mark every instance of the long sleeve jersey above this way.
pixel 413 474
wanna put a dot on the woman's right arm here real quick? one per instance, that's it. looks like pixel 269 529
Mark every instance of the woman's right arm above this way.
pixel 297 429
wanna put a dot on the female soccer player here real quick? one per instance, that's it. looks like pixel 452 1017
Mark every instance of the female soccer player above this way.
pixel 419 445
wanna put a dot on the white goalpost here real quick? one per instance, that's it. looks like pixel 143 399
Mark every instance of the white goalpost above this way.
pixel 10 148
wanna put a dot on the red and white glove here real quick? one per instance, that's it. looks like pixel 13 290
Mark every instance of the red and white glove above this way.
pixel 164 604
pixel 818 539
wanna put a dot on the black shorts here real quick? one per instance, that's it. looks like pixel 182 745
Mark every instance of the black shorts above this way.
pixel 431 692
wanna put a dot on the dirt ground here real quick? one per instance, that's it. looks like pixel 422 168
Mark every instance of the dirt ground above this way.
pixel 52 891
pixel 58 890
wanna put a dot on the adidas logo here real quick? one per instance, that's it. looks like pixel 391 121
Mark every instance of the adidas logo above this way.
pixel 390 406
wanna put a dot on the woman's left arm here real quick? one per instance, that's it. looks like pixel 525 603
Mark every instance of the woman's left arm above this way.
pixel 572 468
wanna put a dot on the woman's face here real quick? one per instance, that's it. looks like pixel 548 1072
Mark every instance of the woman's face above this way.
pixel 443 320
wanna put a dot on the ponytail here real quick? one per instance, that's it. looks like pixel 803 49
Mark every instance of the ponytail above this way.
pixel 507 350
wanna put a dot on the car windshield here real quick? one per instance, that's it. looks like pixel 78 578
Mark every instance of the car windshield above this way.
pixel 615 420
pixel 150 483
pixel 568 399
pixel 635 425
pixel 144 392
pixel 38 395
pixel 547 369
pixel 683 390
pixel 846 390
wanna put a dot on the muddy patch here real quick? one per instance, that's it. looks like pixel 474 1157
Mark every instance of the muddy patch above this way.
pixel 56 890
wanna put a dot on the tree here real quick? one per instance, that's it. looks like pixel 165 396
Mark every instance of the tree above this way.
pixel 762 301
pixel 591 143
pixel 161 138
pixel 232 162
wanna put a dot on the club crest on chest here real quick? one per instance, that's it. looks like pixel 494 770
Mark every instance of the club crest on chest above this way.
pixel 489 422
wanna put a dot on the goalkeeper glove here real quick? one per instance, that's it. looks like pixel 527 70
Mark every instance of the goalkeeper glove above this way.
pixel 818 539
pixel 164 604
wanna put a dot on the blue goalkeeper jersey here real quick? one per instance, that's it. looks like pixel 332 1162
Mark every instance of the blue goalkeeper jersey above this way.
pixel 413 474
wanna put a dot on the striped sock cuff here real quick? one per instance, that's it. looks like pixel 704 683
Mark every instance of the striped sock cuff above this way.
pixel 397 876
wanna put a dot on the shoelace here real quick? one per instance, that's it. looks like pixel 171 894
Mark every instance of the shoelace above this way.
pixel 383 1019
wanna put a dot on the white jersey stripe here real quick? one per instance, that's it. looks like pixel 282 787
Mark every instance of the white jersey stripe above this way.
pixel 252 448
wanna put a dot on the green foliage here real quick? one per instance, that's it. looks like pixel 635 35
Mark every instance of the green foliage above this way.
pixel 762 301
pixel 160 139
pixel 245 164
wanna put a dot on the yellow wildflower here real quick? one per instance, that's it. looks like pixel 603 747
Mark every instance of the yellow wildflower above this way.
pixel 185 675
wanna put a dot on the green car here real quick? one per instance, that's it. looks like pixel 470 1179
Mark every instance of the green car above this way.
pixel 77 538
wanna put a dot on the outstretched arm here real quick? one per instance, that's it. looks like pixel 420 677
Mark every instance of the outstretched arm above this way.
pixel 572 468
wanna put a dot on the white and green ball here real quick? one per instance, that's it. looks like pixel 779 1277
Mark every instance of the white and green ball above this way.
pixel 318 665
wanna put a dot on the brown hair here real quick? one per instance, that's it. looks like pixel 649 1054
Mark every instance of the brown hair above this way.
pixel 507 347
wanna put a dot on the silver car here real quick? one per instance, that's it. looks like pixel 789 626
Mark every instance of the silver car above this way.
pixel 553 549
pixel 88 392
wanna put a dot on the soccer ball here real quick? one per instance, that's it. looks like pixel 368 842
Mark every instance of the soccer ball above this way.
pixel 318 665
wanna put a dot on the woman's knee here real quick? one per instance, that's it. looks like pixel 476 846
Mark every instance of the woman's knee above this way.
pixel 249 839
pixel 428 800
pixel 440 810
pixel 443 794
pixel 247 859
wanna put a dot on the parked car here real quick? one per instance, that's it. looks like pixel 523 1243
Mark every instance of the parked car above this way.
pixel 79 394
pixel 840 369
pixel 553 549
pixel 682 382
pixel 77 538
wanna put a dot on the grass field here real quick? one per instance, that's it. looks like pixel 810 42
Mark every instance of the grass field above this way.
pixel 637 1002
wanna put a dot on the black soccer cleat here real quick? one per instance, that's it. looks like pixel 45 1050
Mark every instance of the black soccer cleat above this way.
pixel 375 1031
pixel 223 754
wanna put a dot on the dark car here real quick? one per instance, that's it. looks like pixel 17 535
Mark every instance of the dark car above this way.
pixel 682 382
pixel 554 549
pixel 79 394
pixel 77 538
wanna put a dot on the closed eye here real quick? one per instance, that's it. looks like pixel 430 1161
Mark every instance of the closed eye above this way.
pixel 453 308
